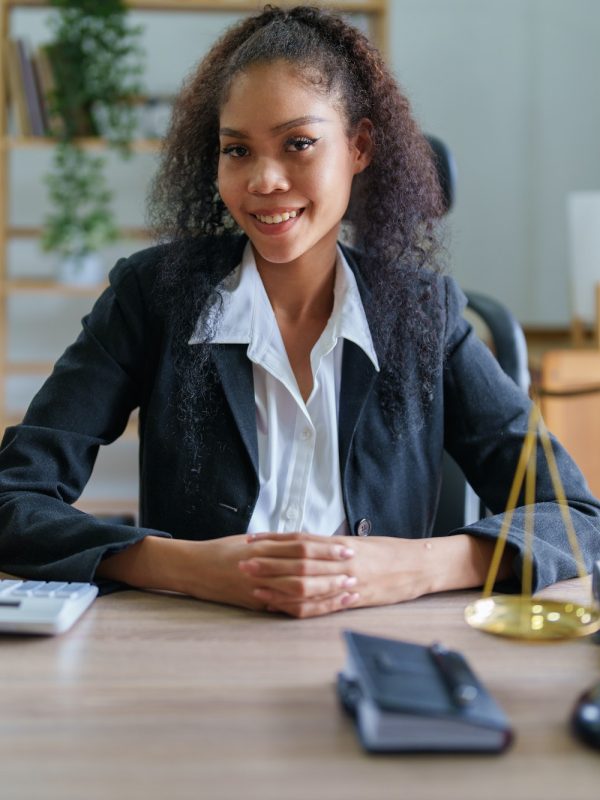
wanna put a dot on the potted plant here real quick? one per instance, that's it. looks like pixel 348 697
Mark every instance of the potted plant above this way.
pixel 96 64
pixel 81 221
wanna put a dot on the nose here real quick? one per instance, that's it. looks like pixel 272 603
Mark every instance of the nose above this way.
pixel 267 176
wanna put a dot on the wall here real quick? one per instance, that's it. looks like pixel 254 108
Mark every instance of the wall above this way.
pixel 512 86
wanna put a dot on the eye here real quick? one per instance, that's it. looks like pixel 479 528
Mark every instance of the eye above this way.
pixel 298 144
pixel 234 150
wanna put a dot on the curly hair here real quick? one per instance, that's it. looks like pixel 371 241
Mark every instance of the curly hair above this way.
pixel 393 213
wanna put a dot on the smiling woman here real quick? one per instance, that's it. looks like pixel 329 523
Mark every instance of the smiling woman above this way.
pixel 296 390
pixel 295 157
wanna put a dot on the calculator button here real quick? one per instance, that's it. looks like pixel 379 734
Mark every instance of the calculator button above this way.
pixel 8 586
pixel 49 589
pixel 27 588
pixel 73 590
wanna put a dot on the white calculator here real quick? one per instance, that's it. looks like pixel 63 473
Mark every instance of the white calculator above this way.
pixel 43 607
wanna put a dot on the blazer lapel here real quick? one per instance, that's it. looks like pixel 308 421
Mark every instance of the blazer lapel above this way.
pixel 358 377
pixel 235 371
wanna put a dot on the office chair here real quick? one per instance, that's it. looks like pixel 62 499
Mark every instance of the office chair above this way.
pixel 459 505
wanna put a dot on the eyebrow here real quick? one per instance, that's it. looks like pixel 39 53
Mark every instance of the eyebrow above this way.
pixel 293 123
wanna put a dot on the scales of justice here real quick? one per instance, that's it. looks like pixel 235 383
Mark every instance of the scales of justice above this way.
pixel 523 616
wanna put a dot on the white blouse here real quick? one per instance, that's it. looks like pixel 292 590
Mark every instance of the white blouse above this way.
pixel 298 457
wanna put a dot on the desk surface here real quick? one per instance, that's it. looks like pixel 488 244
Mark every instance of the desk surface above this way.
pixel 152 696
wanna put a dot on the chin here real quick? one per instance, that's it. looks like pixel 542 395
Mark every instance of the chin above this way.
pixel 278 255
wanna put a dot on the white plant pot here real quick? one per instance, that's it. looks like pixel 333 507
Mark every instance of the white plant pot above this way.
pixel 83 270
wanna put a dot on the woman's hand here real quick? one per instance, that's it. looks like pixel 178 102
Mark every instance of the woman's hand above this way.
pixel 237 569
pixel 294 573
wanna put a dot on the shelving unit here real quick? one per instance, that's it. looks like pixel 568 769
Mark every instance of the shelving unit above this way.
pixel 12 286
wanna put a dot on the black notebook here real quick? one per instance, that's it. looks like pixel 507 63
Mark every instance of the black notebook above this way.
pixel 408 697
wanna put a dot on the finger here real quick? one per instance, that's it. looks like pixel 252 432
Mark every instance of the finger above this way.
pixel 269 567
pixel 318 607
pixel 294 536
pixel 317 547
pixel 302 588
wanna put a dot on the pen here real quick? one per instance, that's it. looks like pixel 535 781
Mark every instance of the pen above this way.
pixel 455 673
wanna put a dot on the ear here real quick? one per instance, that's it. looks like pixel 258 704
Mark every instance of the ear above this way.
pixel 361 145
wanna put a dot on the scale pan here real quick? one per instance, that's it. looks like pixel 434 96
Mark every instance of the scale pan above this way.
pixel 528 618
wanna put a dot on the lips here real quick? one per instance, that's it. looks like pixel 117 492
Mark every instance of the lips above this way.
pixel 277 216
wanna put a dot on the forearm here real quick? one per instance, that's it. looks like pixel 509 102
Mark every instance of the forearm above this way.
pixel 461 562
pixel 207 570
pixel 152 563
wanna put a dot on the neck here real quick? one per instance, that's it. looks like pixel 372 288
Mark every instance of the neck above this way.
pixel 301 289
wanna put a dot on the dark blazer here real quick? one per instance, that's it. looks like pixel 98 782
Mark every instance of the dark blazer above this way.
pixel 122 360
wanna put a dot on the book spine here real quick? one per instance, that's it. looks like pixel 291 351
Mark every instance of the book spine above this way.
pixel 34 105
pixel 40 91
pixel 47 84
pixel 76 117
pixel 17 89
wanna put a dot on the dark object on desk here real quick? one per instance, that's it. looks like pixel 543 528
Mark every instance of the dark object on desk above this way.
pixel 586 717
pixel 410 698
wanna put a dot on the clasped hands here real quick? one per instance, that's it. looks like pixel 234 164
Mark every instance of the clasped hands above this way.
pixel 306 575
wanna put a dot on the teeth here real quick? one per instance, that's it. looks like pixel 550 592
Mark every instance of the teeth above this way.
pixel 275 219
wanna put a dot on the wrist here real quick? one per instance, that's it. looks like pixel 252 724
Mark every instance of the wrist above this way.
pixel 462 562
pixel 155 562
pixel 456 562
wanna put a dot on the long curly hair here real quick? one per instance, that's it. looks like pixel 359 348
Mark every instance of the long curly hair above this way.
pixel 393 213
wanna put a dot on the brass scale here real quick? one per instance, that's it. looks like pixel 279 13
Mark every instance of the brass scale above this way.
pixel 523 616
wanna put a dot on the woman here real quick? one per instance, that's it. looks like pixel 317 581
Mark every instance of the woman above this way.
pixel 291 390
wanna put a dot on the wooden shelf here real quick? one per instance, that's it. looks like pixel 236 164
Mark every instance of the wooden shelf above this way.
pixel 49 286
pixel 28 367
pixel 87 143
pixel 364 6
pixel 107 506
pixel 33 231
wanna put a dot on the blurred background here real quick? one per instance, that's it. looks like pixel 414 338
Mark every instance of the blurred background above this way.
pixel 511 86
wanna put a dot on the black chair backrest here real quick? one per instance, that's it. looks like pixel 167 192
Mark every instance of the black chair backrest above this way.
pixel 446 170
pixel 458 504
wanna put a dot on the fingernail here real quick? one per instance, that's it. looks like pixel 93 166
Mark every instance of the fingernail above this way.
pixel 349 581
pixel 347 599
pixel 262 594
pixel 344 552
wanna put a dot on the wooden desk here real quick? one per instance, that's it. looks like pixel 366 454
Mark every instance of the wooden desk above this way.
pixel 152 696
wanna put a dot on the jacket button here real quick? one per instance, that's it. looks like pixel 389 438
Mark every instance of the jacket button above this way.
pixel 363 527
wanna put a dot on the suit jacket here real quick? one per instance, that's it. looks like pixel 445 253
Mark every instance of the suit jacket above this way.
pixel 122 360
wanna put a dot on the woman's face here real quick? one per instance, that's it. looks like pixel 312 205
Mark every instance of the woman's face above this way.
pixel 287 164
